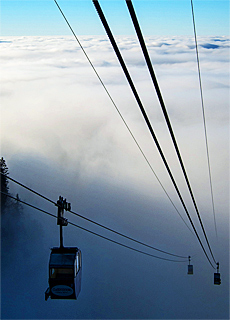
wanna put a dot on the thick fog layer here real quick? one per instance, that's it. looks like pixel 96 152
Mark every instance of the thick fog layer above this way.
pixel 61 135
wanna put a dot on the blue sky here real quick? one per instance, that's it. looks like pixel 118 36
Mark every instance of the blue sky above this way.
pixel 157 17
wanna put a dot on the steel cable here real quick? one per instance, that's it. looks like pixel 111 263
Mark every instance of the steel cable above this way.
pixel 92 221
pixel 112 40
pixel 92 232
pixel 114 104
pixel 154 79
pixel 204 120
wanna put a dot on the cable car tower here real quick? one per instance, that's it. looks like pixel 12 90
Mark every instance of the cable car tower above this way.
pixel 65 264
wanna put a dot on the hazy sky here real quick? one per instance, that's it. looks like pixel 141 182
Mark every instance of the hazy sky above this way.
pixel 157 17
pixel 60 134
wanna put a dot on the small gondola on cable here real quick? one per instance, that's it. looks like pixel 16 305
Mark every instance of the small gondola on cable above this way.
pixel 190 266
pixel 217 279
pixel 65 264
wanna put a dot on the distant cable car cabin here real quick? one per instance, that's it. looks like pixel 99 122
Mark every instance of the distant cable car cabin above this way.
pixel 217 279
pixel 190 266
pixel 190 269
pixel 64 273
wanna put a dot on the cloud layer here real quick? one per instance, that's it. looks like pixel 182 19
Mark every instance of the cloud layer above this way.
pixel 62 135
pixel 54 105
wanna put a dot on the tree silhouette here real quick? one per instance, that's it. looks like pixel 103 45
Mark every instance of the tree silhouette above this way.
pixel 7 204
pixel 4 183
